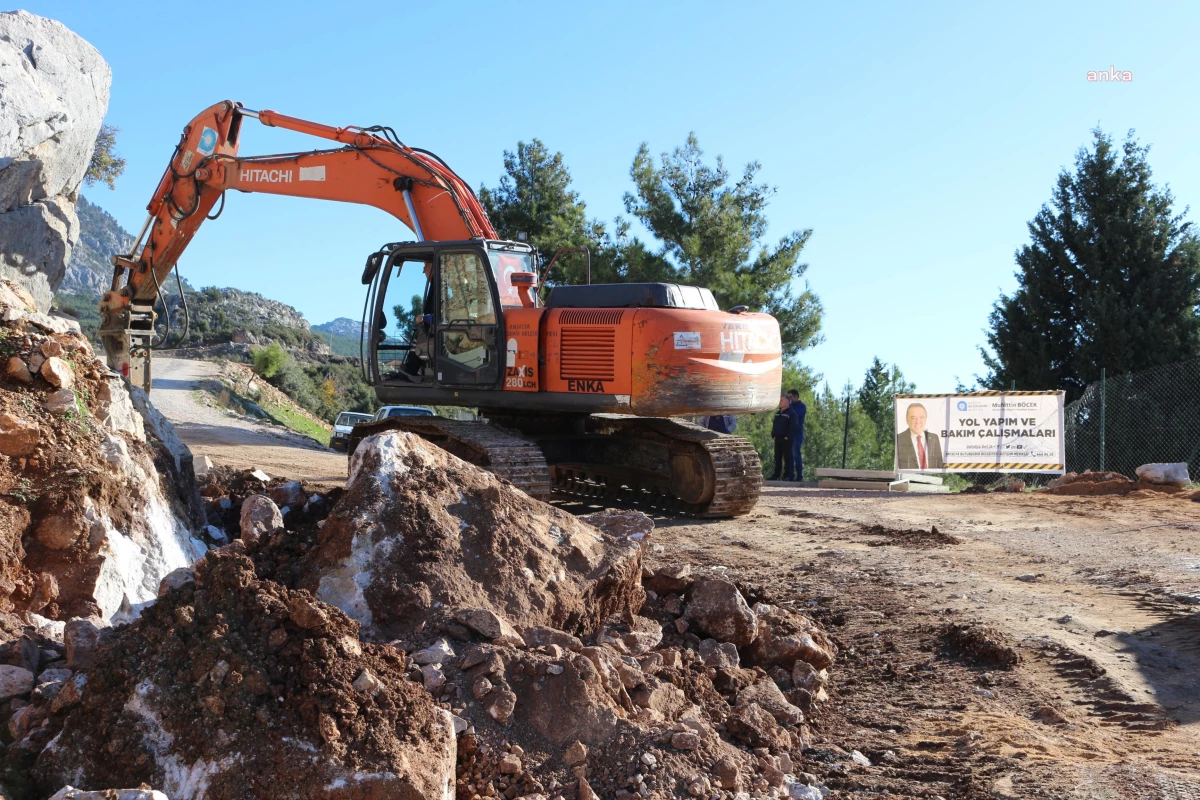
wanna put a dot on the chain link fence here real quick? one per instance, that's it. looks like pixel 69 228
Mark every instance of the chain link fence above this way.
pixel 1123 421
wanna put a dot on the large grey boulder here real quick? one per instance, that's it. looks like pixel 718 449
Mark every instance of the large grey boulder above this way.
pixel 53 96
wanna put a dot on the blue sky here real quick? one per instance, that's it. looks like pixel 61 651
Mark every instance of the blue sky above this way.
pixel 915 142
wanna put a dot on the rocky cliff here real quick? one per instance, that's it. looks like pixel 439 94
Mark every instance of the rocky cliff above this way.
pixel 53 96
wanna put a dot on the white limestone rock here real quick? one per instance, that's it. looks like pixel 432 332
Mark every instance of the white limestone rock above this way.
pixel 53 97
pixel 1165 474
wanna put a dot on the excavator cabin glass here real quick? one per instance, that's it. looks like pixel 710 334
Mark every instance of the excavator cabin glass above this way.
pixel 435 313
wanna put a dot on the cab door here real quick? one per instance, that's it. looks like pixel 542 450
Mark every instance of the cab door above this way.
pixel 468 326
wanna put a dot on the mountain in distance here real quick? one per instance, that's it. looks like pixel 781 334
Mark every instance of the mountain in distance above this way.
pixel 89 272
pixel 217 315
pixel 342 326
pixel 341 334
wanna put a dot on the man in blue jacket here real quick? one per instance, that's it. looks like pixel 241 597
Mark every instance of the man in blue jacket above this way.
pixel 799 410
pixel 783 429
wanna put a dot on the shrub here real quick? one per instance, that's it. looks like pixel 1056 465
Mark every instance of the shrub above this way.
pixel 269 360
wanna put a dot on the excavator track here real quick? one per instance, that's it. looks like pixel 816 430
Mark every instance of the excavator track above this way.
pixel 662 464
pixel 508 456
pixel 665 464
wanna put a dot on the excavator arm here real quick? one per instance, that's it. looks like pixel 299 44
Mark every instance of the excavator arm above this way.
pixel 371 167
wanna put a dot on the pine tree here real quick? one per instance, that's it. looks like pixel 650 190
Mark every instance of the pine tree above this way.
pixel 876 397
pixel 712 232
pixel 535 197
pixel 1111 278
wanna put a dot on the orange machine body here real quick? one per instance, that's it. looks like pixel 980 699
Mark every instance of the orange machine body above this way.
pixel 664 361
pixel 650 361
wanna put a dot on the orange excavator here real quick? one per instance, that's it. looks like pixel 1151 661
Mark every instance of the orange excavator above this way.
pixel 578 384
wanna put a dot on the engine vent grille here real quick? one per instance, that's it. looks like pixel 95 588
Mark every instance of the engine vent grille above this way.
pixel 588 353
pixel 608 316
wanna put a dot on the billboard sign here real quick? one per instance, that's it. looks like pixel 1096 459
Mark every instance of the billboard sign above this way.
pixel 980 432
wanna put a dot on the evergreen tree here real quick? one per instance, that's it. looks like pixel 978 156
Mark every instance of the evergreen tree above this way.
pixel 1110 278
pixel 712 235
pixel 711 231
pixel 105 165
pixel 535 197
pixel 876 397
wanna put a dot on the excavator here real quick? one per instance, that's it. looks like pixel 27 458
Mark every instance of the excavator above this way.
pixel 578 387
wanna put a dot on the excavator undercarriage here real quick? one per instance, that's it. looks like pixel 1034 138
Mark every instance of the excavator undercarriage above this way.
pixel 663 464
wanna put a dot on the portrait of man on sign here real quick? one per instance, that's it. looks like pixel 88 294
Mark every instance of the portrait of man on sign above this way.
pixel 917 448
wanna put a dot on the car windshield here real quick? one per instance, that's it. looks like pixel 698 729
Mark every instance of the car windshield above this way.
pixel 348 418
pixel 409 412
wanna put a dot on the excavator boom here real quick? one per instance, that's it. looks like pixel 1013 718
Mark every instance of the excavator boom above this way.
pixel 372 167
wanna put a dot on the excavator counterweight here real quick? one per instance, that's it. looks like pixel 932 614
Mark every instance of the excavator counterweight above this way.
pixel 577 383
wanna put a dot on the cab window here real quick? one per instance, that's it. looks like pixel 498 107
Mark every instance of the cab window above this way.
pixel 465 293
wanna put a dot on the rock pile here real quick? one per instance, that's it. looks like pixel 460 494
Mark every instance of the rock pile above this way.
pixel 38 677
pixel 429 632
pixel 567 667
pixel 88 525
pixel 419 530
pixel 1162 478
pixel 54 87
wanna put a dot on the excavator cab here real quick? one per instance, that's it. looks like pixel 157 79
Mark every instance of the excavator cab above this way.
pixel 434 311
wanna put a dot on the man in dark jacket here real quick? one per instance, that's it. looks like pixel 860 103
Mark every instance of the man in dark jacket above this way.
pixel 783 431
pixel 721 424
pixel 799 410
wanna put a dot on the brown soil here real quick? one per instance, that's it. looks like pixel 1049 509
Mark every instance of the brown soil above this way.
pixel 1105 700
pixel 55 480
pixel 912 539
pixel 1101 483
pixel 980 645
pixel 238 669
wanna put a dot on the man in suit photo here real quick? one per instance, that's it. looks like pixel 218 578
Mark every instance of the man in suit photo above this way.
pixel 917 448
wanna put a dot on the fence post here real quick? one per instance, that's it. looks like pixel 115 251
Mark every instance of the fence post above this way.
pixel 846 432
pixel 1103 411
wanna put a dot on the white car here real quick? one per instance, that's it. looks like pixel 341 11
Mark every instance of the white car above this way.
pixel 401 411
pixel 342 426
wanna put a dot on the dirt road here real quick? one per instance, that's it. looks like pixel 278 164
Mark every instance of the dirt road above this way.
pixel 1100 597
pixel 232 441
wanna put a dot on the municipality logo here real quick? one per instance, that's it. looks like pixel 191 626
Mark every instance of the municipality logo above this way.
pixel 962 405
pixel 208 142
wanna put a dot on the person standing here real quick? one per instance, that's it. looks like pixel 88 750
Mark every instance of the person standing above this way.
pixel 799 410
pixel 721 424
pixel 783 429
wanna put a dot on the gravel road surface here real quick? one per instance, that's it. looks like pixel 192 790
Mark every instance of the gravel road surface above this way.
pixel 233 441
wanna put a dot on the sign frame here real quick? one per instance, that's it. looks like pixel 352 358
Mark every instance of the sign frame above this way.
pixel 947 401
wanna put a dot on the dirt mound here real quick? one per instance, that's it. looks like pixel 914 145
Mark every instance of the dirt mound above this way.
pixel 253 690
pixel 224 489
pixel 418 529
pixel 980 644
pixel 1105 483
pixel 912 539
pixel 94 508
